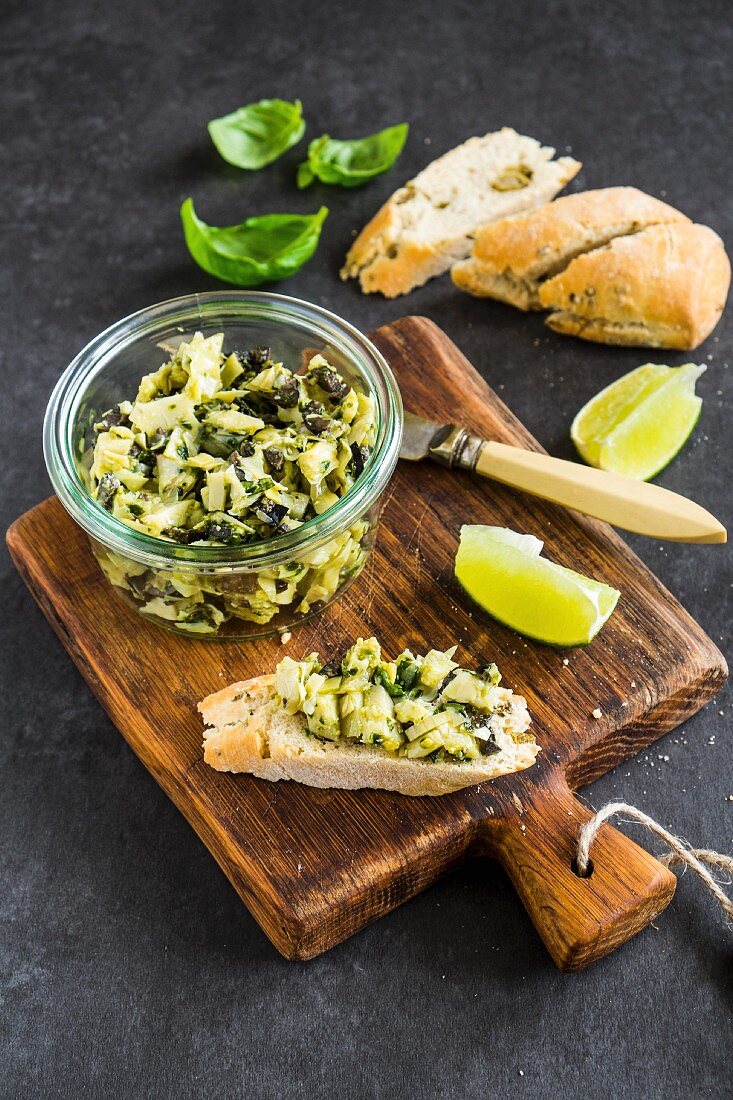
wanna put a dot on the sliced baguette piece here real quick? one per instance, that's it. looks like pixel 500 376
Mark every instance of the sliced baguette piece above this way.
pixel 664 287
pixel 511 257
pixel 252 733
pixel 429 224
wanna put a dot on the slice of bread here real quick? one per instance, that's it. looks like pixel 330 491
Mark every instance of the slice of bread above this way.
pixel 664 287
pixel 430 223
pixel 511 257
pixel 252 733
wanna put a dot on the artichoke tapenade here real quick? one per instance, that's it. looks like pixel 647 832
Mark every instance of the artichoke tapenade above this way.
pixel 227 450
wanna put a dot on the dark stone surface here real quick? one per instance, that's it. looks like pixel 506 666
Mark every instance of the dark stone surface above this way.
pixel 129 966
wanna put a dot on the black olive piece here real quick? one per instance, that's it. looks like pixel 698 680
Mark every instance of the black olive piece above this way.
pixel 288 394
pixel 169 590
pixel 182 535
pixel 143 589
pixel 275 458
pixel 359 456
pixel 333 668
pixel 332 383
pixel 217 532
pixel 488 747
pixel 269 512
pixel 314 419
pixel 112 418
pixel 246 448
pixel 257 357
pixel 108 486
pixel 139 584
pixel 158 440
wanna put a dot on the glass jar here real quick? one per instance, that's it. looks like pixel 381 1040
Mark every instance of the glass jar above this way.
pixel 241 591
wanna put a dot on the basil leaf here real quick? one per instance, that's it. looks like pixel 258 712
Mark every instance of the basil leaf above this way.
pixel 351 163
pixel 259 250
pixel 259 133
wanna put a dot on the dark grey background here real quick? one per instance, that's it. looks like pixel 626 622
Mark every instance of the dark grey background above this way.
pixel 129 966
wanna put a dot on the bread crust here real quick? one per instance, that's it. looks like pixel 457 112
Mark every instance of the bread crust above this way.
pixel 511 256
pixel 412 237
pixel 665 287
pixel 239 742
pixel 378 271
pixel 265 741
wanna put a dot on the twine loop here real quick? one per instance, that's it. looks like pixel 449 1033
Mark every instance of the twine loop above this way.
pixel 680 851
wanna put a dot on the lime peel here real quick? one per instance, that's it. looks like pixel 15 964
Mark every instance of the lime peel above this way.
pixel 502 570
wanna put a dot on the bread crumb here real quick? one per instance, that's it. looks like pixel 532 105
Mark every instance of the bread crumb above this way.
pixel 597 713
pixel 285 637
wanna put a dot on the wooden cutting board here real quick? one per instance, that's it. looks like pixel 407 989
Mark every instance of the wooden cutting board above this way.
pixel 316 866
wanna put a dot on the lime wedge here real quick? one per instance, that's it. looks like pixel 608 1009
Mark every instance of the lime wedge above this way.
pixel 639 423
pixel 503 572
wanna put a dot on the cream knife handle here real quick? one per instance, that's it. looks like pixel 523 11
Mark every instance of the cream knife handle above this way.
pixel 633 505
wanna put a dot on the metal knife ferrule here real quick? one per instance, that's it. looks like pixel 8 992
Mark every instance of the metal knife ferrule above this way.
pixel 456 447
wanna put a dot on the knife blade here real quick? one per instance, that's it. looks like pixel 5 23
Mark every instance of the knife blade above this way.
pixel 633 505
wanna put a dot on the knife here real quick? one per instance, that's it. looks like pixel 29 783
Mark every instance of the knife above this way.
pixel 634 505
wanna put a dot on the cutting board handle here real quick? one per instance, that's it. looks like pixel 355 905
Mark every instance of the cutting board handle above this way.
pixel 579 919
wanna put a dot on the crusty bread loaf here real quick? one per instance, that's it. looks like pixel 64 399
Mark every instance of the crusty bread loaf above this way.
pixel 511 257
pixel 429 224
pixel 252 733
pixel 664 287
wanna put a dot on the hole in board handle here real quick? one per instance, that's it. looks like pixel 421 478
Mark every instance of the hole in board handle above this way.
pixel 576 870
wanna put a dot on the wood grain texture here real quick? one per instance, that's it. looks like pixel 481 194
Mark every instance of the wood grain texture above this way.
pixel 316 866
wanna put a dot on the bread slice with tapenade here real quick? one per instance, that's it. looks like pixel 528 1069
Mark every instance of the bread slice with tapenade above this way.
pixel 512 257
pixel 429 224
pixel 252 733
pixel 418 725
pixel 664 287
